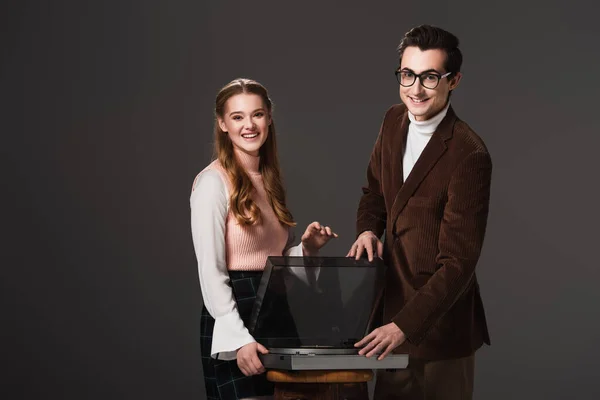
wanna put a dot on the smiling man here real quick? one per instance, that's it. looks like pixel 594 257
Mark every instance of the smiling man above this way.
pixel 428 190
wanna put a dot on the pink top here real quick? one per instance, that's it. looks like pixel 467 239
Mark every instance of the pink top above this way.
pixel 247 247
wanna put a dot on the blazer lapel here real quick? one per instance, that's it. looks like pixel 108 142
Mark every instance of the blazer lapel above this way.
pixel 435 148
pixel 402 133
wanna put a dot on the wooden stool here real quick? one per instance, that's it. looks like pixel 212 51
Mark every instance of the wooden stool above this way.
pixel 320 385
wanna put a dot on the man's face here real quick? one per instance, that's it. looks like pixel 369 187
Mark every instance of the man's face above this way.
pixel 422 102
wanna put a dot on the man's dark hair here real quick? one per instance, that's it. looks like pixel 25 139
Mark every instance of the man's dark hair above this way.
pixel 427 37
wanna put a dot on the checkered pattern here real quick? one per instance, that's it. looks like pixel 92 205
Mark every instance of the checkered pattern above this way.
pixel 223 379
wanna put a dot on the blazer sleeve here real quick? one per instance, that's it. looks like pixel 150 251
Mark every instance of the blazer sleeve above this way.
pixel 209 208
pixel 460 241
pixel 372 213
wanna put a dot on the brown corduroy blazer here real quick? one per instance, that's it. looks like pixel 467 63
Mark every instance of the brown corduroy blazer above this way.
pixel 434 226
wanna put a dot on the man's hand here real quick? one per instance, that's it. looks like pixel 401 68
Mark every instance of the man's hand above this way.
pixel 381 340
pixel 247 358
pixel 366 241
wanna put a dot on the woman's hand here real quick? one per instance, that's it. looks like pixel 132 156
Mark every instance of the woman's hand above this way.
pixel 315 237
pixel 247 358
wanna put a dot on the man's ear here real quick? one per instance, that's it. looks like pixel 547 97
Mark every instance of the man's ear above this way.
pixel 455 81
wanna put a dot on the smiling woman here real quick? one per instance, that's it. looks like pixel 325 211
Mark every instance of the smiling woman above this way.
pixel 239 217
pixel 247 122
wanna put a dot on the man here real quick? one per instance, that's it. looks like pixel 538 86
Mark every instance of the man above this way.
pixel 428 189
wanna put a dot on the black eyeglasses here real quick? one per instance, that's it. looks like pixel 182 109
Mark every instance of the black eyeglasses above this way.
pixel 429 80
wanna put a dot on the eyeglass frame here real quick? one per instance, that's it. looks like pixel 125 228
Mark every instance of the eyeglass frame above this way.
pixel 420 77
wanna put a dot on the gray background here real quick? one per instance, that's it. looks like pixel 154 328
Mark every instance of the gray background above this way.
pixel 106 117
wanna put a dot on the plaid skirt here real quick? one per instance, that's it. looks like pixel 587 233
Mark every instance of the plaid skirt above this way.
pixel 223 379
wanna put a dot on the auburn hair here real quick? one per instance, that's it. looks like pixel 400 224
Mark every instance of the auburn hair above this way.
pixel 241 204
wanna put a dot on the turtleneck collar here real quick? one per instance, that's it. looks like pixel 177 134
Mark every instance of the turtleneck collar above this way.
pixel 429 126
pixel 249 162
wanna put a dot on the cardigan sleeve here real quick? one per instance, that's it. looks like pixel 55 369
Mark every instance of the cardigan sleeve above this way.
pixel 297 251
pixel 290 249
pixel 209 208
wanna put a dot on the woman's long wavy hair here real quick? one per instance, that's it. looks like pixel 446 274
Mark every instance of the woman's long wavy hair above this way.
pixel 243 207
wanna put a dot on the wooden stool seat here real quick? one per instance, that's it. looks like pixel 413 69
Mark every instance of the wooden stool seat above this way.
pixel 346 376
pixel 320 385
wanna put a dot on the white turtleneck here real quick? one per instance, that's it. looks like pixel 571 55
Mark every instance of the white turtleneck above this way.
pixel 419 133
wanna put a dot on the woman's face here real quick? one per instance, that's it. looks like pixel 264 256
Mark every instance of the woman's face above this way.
pixel 246 120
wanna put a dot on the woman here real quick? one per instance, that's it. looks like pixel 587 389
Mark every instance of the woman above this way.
pixel 239 217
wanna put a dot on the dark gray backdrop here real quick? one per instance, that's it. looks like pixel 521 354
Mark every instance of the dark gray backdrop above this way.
pixel 106 117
